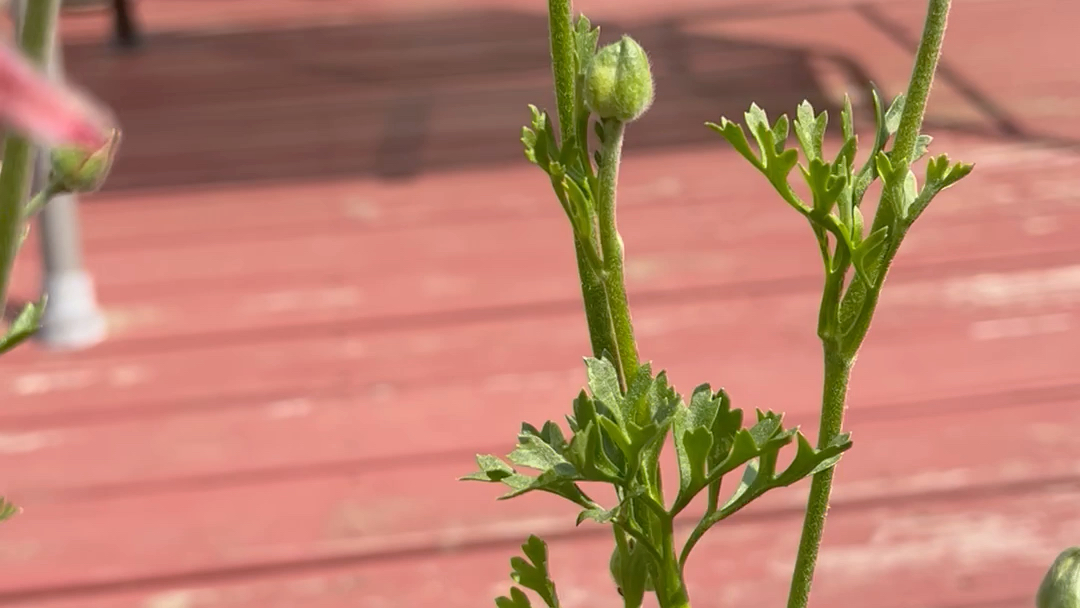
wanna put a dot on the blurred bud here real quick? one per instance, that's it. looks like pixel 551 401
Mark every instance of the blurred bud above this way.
pixel 78 169
pixel 618 81
pixel 1061 586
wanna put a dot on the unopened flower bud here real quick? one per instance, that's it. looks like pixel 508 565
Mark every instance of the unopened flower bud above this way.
pixel 76 169
pixel 618 81
pixel 1060 587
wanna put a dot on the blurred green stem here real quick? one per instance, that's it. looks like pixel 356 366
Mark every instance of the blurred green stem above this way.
pixel 35 39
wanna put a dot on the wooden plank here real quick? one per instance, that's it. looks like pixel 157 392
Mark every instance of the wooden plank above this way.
pixel 187 16
pixel 251 285
pixel 179 411
pixel 1008 173
pixel 1008 316
pixel 1009 75
pixel 908 470
pixel 340 99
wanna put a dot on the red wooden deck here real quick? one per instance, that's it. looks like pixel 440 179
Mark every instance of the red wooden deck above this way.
pixel 331 279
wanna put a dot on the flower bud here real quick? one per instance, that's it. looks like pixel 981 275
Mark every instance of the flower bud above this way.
pixel 1060 587
pixel 618 81
pixel 75 169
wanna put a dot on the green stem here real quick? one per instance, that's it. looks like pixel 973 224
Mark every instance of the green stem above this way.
pixel 922 79
pixel 563 66
pixel 564 70
pixel 859 303
pixel 35 39
pixel 670 587
pixel 918 91
pixel 39 200
pixel 837 372
pixel 612 247
pixel 596 307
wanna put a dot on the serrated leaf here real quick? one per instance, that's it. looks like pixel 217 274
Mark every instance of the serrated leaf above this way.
pixel 599 515
pixel 845 157
pixel 617 436
pixel 847 124
pixel 892 115
pixel 604 384
pixel 25 325
pixel 586 454
pixel 749 478
pixel 528 141
pixel 517 599
pixel 922 144
pixel 809 461
pixel 842 443
pixel 692 447
pixel 735 136
pixel 956 173
pixel 810 130
pixel 882 132
pixel 553 481
pixel 533 574
pixel 553 436
pixel 663 401
pixel 780 132
pixel 758 123
pixel 580 206
pixel 584 412
pixel 585 39
pixel 866 258
pixel 939 175
pixel 856 225
pixel 639 390
pixel 534 453
pixel 911 191
pixel 884 165
pixel 824 187
pixel 778 167
pixel 765 429
pixel 726 424
pixel 492 469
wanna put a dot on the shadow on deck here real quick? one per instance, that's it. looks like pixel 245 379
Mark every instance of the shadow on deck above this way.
pixel 397 99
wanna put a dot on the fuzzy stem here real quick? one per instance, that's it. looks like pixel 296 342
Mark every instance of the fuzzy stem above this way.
pixel 860 303
pixel 834 396
pixel 563 66
pixel 564 69
pixel 612 246
pixel 35 39
pixel 670 587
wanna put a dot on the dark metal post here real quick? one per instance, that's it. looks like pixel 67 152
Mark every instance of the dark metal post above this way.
pixel 127 33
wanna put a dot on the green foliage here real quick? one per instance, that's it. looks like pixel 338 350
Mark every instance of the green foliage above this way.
pixel 616 436
pixel 7 509
pixel 837 189
pixel 24 326
pixel 530 572
pixel 626 414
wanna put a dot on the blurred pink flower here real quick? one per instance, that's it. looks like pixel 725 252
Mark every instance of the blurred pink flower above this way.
pixel 47 112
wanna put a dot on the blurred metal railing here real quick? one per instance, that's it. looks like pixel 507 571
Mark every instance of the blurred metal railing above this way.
pixel 72 319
